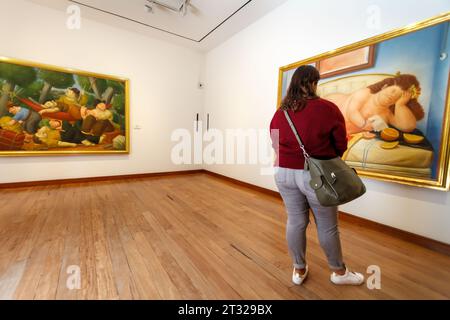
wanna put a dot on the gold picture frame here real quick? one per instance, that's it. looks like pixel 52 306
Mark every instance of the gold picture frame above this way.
pixel 125 103
pixel 441 180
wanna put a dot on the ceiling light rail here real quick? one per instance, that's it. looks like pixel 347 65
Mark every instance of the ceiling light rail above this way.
pixel 179 6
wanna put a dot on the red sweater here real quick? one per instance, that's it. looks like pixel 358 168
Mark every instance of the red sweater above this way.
pixel 321 127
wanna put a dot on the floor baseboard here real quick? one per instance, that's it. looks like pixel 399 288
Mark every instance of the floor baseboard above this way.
pixel 243 184
pixel 404 235
pixel 95 179
pixel 398 233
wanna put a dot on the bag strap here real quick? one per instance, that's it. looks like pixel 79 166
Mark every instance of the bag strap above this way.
pixel 294 129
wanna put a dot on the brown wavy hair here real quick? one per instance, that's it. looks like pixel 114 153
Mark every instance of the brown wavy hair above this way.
pixel 302 87
pixel 405 82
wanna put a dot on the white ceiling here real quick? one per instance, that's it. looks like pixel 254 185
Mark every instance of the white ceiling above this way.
pixel 207 23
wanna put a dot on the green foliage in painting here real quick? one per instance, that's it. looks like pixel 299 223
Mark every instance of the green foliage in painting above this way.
pixel 16 74
pixel 32 91
pixel 54 79
pixel 57 79
pixel 118 87
pixel 119 104
pixel 92 85
pixel 13 75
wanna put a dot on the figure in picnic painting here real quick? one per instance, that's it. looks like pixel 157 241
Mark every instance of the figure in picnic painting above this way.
pixel 56 133
pixel 72 103
pixel 97 121
pixel 28 119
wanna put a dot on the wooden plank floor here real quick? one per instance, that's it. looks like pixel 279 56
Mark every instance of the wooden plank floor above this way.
pixel 186 237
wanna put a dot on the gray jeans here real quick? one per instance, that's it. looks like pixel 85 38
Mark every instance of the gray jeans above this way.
pixel 298 198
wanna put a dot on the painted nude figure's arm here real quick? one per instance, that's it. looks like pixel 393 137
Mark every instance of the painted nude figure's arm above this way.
pixel 403 118
pixel 353 108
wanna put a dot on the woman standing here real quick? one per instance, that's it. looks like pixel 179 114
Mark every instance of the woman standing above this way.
pixel 322 129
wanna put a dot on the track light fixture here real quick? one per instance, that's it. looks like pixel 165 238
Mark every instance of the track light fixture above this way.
pixel 180 6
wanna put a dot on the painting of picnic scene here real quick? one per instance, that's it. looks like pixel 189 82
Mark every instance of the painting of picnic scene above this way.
pixel 45 110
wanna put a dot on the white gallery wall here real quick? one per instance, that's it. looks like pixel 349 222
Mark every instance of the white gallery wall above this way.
pixel 241 91
pixel 163 82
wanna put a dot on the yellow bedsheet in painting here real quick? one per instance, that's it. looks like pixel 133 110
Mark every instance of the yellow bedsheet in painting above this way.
pixel 368 154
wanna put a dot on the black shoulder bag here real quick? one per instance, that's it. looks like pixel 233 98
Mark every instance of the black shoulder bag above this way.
pixel 333 181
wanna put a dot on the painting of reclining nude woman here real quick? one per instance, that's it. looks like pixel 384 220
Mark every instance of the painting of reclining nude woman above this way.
pixel 46 110
pixel 396 107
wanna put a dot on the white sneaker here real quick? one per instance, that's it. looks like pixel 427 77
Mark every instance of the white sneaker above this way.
pixel 349 278
pixel 297 278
